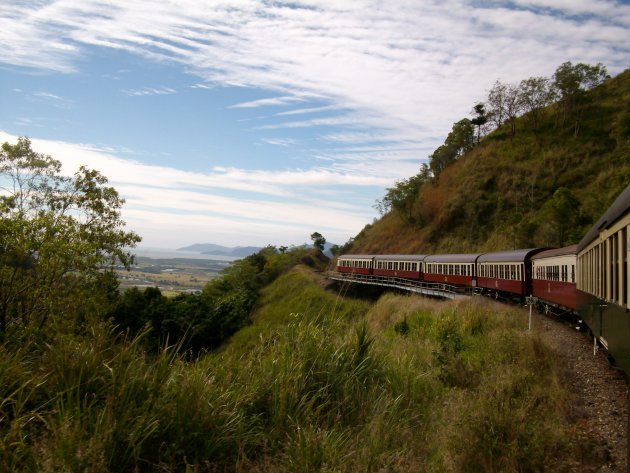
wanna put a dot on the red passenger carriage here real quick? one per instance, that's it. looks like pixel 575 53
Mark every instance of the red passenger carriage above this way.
pixel 456 269
pixel 355 264
pixel 554 276
pixel 400 266
pixel 506 271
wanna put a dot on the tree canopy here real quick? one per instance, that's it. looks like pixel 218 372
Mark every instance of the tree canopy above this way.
pixel 459 140
pixel 318 240
pixel 58 234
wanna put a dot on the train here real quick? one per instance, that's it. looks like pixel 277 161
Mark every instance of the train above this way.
pixel 589 280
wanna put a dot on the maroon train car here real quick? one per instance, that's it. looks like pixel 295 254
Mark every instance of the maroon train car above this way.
pixel 399 266
pixel 355 264
pixel 506 271
pixel 554 276
pixel 456 269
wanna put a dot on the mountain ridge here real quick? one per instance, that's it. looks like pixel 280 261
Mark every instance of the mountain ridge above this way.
pixel 542 186
pixel 220 250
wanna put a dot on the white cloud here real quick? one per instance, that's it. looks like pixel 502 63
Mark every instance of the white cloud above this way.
pixel 412 66
pixel 201 86
pixel 279 141
pixel 386 79
pixel 304 111
pixel 286 204
pixel 51 99
pixel 149 91
pixel 274 101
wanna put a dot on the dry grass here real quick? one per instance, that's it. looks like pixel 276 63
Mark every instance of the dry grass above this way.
pixel 316 384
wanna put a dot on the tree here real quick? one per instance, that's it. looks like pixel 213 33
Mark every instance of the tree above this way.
pixel 561 218
pixel 459 140
pixel 513 106
pixel 480 119
pixel 318 240
pixel 496 102
pixel 504 105
pixel 441 158
pixel 403 195
pixel 58 236
pixel 335 250
pixel 535 94
pixel 570 82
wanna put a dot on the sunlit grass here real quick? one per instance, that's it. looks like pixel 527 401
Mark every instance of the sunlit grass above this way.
pixel 317 383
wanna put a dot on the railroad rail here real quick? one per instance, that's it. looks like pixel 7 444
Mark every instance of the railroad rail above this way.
pixel 441 290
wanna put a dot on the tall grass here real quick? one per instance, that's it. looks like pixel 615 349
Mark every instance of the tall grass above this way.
pixel 461 388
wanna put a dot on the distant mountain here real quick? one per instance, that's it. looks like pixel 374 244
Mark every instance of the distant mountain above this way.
pixel 204 247
pixel 239 251
pixel 236 251
pixel 212 249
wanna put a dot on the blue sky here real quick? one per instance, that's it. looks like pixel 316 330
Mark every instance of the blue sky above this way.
pixel 245 122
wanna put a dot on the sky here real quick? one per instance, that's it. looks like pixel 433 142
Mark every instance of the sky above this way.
pixel 250 122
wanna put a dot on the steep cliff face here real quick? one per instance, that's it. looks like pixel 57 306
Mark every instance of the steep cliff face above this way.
pixel 536 187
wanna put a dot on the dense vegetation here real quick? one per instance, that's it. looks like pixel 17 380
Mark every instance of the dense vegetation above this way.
pixel 200 322
pixel 317 383
pixel 541 175
pixel 57 233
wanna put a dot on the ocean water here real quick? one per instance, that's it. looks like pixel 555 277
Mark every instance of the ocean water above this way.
pixel 168 253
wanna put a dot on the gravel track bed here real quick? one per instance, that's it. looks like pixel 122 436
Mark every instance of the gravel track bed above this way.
pixel 599 395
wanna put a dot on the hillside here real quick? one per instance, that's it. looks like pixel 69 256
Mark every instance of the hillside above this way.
pixel 541 186
pixel 212 249
pixel 405 383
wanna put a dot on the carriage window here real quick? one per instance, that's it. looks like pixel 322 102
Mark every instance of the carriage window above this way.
pixel 624 266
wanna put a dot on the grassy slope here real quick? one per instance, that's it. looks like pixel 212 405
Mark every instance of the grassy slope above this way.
pixel 316 384
pixel 405 384
pixel 485 200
